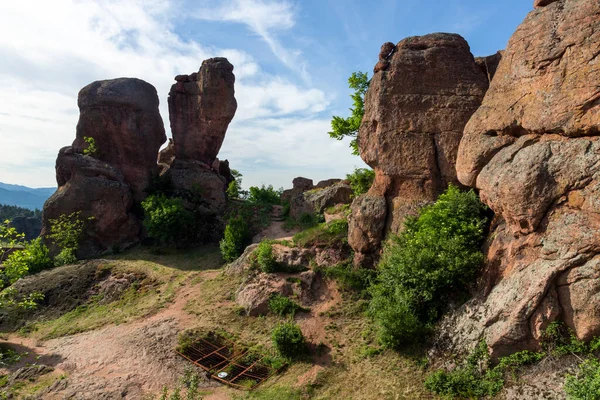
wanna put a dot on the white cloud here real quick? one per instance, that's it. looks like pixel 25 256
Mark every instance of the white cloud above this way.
pixel 76 42
pixel 264 18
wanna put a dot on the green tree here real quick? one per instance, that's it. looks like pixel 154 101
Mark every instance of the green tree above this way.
pixel 234 190
pixel 348 127
pixel 361 180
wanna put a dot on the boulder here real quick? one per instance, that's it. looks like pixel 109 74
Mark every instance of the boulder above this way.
pixel 415 112
pixel 99 191
pixel 366 227
pixel 254 295
pixel 122 117
pixel 532 151
pixel 327 183
pixel 320 200
pixel 201 106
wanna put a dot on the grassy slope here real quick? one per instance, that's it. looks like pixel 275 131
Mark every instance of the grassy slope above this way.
pixel 353 369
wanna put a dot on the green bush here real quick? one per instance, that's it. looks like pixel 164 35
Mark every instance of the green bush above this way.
pixel 65 233
pixel 32 259
pixel 236 238
pixel 265 258
pixel 91 149
pixel 476 378
pixel 435 257
pixel 361 180
pixel 585 384
pixel 265 195
pixel 288 340
pixel 168 221
pixel 349 278
pixel 282 305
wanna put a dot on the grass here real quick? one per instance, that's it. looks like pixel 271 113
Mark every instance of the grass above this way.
pixel 332 234
pixel 136 302
pixel 354 366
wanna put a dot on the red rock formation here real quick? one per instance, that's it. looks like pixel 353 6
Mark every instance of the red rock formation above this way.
pixel 532 150
pixel 422 94
pixel 97 190
pixel 122 116
pixel 201 106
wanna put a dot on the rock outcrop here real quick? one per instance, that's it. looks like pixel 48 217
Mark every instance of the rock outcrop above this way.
pixel 122 117
pixel 201 106
pixel 532 150
pixel 306 198
pixel 422 94
pixel 99 191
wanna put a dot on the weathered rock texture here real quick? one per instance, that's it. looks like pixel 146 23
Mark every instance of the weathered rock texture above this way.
pixel 532 150
pixel 99 191
pixel 306 198
pixel 201 106
pixel 122 116
pixel 422 94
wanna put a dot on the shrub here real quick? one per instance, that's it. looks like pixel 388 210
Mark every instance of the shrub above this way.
pixel 265 195
pixel 282 305
pixel 10 239
pixel 349 278
pixel 475 378
pixel 32 259
pixel 435 257
pixel 65 233
pixel 585 384
pixel 91 149
pixel 361 180
pixel 167 221
pixel 235 240
pixel 265 258
pixel 288 340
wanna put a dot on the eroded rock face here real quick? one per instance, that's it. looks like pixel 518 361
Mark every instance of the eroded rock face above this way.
pixel 196 179
pixel 201 106
pixel 99 191
pixel 533 152
pixel 122 116
pixel 320 200
pixel 422 94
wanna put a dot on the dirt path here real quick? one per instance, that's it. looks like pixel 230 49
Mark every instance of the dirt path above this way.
pixel 118 361
pixel 136 359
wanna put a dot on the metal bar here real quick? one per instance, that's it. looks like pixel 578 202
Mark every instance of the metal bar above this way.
pixel 210 354
pixel 238 375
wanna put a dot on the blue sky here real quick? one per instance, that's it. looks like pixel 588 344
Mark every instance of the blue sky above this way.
pixel 292 59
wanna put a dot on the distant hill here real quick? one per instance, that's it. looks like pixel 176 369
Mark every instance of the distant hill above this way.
pixel 23 196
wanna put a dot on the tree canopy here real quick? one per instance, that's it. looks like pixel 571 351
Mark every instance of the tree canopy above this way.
pixel 348 127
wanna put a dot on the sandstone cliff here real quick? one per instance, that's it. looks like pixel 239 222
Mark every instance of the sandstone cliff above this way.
pixel 532 150
pixel 422 94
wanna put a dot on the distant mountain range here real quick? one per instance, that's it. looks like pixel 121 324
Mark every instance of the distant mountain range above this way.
pixel 23 196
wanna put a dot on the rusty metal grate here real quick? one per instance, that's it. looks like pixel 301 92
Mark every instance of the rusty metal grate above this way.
pixel 243 369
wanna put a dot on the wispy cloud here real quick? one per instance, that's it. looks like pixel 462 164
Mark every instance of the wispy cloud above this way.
pixel 264 18
pixel 77 41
